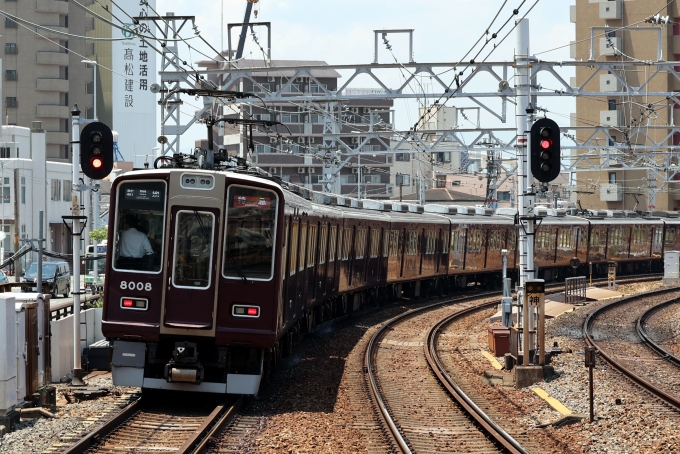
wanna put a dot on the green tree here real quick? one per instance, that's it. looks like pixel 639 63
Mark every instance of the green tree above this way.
pixel 99 234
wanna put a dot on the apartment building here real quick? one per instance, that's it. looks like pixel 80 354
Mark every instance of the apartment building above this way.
pixel 622 35
pixel 42 75
pixel 293 150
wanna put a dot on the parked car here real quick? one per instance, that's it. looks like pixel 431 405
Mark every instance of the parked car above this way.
pixel 57 274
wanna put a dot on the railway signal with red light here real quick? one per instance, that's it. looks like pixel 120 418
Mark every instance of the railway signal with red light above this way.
pixel 545 150
pixel 96 150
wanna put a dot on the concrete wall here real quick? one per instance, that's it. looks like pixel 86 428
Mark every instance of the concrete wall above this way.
pixel 62 340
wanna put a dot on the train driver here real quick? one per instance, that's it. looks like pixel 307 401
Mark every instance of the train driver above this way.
pixel 135 250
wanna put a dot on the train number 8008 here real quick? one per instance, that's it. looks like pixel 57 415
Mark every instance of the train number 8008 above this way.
pixel 132 285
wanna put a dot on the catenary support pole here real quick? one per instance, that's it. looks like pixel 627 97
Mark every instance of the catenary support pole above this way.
pixel 77 379
pixel 524 181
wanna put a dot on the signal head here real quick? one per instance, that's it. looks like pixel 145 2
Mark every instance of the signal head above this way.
pixel 96 150
pixel 546 143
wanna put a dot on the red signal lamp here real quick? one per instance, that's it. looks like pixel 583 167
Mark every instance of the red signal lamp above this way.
pixel 546 143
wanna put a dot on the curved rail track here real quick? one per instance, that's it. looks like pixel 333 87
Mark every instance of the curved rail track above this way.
pixel 464 425
pixel 661 380
pixel 149 427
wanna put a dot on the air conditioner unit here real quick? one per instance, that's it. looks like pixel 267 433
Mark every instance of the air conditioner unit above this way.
pixel 311 140
pixel 312 170
pixel 301 170
pixel 355 140
pixel 270 79
pixel 300 79
pixel 355 109
pixel 355 170
pixel 301 140
pixel 272 140
pixel 301 109
pixel 273 170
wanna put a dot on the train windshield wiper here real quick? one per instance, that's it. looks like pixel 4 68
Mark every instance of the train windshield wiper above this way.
pixel 231 259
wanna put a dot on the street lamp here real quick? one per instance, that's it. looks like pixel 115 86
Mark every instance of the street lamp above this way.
pixel 94 84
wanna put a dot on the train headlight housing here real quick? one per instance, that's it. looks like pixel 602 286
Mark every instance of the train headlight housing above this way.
pixel 242 310
pixel 136 304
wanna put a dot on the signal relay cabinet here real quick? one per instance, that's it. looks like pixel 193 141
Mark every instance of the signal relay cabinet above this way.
pixel 25 357
pixel 499 340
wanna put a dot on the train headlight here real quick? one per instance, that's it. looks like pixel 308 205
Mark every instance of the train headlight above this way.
pixel 137 304
pixel 239 310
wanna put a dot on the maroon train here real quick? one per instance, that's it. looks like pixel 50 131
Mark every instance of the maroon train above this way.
pixel 241 266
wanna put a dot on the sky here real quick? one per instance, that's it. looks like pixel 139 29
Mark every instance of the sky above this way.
pixel 341 32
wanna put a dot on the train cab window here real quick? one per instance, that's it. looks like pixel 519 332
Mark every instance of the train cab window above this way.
pixel 139 226
pixel 250 234
pixel 194 238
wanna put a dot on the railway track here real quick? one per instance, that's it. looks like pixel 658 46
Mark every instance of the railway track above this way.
pixel 148 426
pixel 617 331
pixel 417 412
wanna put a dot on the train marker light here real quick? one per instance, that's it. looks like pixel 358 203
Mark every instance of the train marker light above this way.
pixel 138 304
pixel 245 311
pixel 96 150
pixel 545 150
pixel 127 303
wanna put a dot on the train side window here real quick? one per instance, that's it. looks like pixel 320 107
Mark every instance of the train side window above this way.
pixel 292 266
pixel 323 244
pixel 139 226
pixel 192 262
pixel 311 251
pixel 250 234
pixel 386 242
pixel 670 236
pixel 303 246
pixel 332 243
pixel 345 243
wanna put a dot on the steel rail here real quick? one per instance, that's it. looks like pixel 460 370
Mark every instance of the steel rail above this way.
pixel 213 422
pixel 371 351
pixel 643 334
pixel 587 324
pixel 226 416
pixel 437 367
pixel 94 437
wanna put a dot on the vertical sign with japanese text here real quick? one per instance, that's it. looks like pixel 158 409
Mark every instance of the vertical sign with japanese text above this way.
pixel 134 70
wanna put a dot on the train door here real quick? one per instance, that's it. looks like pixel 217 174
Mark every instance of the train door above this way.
pixel 193 257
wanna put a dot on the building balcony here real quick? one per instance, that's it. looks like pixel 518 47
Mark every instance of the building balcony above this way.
pixel 52 111
pixel 45 84
pixel 57 138
pixel 611 118
pixel 52 58
pixel 50 6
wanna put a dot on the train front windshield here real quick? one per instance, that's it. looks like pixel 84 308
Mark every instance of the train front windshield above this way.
pixel 140 221
pixel 251 227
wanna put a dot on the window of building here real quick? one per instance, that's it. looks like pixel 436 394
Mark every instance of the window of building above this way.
pixel 403 180
pixel 11 48
pixel 612 177
pixel 612 141
pixel 9 23
pixel 292 88
pixel 610 34
pixel 67 190
pixel 23 190
pixel 55 193
pixel 264 87
pixel 404 157
pixel 262 148
pixel 316 118
pixel 503 195
pixel 263 117
pixel 5 152
pixel 290 118
pixel 676 27
pixel 611 103
pixel 11 75
pixel 372 179
pixel 316 88
pixel 12 102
